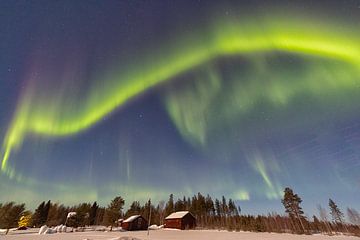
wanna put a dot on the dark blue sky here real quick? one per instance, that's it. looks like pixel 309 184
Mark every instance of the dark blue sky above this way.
pixel 146 98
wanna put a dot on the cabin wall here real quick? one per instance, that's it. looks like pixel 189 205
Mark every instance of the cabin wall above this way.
pixel 173 223
pixel 137 224
pixel 188 222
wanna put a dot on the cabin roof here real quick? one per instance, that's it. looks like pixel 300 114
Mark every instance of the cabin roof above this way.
pixel 179 214
pixel 132 218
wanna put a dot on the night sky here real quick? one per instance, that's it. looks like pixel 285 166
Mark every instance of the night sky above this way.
pixel 146 98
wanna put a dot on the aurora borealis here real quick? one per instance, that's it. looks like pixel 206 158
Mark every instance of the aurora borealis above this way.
pixel 145 99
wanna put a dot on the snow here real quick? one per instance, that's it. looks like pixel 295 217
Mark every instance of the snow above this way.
pixel 162 234
pixel 46 230
pixel 155 227
pixel 43 229
pixel 50 231
pixel 5 230
pixel 71 214
pixel 132 218
pixel 179 214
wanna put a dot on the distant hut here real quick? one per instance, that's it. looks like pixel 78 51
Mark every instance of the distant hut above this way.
pixel 133 223
pixel 180 220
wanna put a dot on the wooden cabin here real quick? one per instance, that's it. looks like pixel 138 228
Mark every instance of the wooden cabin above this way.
pixel 180 220
pixel 133 223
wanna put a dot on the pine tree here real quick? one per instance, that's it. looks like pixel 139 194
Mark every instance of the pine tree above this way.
pixel 218 208
pixel 218 212
pixel 335 212
pixel 41 214
pixel 57 214
pixel 92 214
pixel 353 216
pixel 224 206
pixel 52 219
pixel 114 211
pixel 169 208
pixel 316 224
pixel 37 219
pixel 179 205
pixel 45 214
pixel 161 210
pixel 291 202
pixel 10 215
pixel 194 208
pixel 233 211
pixel 83 214
pixel 324 217
pixel 100 216
pixel 185 204
pixel 210 210
pixel 148 212
pixel 135 208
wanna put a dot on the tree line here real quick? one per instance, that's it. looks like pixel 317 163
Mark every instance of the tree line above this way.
pixel 210 213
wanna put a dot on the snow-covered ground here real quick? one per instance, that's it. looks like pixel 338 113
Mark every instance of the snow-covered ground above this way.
pixel 166 234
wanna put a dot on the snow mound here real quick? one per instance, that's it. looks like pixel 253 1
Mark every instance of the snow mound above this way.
pixel 155 227
pixel 125 238
pixel 100 228
pixel 49 231
pixel 60 228
pixel 118 229
pixel 43 229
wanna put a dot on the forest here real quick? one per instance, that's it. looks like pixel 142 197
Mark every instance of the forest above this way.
pixel 210 213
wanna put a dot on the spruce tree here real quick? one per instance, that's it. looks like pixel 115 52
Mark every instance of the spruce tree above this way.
pixel 335 212
pixel 218 208
pixel 134 209
pixel 291 202
pixel 233 211
pixel 148 212
pixel 210 210
pixel 100 216
pixel 169 208
pixel 83 214
pixel 45 213
pixel 37 219
pixel 224 206
pixel 92 214
pixel 179 205
pixel 114 211
pixel 53 215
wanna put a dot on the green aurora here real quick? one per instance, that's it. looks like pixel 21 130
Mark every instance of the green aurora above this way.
pixel 331 57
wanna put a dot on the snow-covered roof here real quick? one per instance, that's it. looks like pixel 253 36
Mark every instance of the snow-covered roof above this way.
pixel 179 214
pixel 70 214
pixel 132 218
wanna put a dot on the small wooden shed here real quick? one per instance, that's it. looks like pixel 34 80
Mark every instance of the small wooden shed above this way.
pixel 180 220
pixel 133 223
